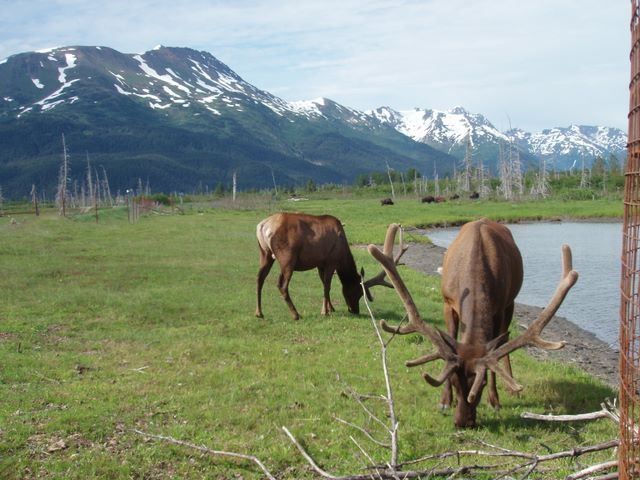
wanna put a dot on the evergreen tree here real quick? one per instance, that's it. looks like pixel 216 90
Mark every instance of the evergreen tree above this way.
pixel 311 186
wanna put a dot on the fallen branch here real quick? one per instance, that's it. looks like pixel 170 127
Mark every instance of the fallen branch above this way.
pixel 594 469
pixel 609 410
pixel 203 449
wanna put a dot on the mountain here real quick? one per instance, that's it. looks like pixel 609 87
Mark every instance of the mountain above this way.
pixel 453 130
pixel 570 145
pixel 180 119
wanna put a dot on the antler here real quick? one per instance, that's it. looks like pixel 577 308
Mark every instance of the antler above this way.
pixel 444 344
pixel 389 240
pixel 531 336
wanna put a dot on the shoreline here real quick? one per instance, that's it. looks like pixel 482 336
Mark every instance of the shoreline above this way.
pixel 583 349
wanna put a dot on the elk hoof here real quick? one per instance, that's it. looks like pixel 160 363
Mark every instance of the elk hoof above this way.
pixel 444 406
pixel 259 315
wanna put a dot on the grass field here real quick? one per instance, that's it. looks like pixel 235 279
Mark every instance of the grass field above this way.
pixel 112 326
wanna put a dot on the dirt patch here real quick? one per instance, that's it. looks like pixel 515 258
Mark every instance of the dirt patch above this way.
pixel 583 348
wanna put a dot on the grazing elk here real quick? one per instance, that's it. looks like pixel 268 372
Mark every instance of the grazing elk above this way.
pixel 474 195
pixel 482 274
pixel 386 201
pixel 301 242
pixel 440 199
pixel 428 199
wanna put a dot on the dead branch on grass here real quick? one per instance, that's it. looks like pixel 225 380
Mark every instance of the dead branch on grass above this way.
pixel 209 451
pixel 609 410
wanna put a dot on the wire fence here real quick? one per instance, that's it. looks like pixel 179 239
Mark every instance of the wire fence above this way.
pixel 629 451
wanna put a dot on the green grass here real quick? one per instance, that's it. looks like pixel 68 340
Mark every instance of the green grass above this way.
pixel 109 327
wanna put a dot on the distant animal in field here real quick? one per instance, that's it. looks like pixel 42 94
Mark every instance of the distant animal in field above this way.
pixel 386 201
pixel 455 196
pixel 302 242
pixel 474 195
pixel 428 199
pixel 481 276
pixel 440 199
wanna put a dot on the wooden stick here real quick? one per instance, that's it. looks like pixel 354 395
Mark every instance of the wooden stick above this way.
pixel 365 432
pixel 593 469
pixel 209 451
pixel 307 457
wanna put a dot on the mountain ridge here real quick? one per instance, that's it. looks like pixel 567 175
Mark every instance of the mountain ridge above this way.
pixel 181 117
pixel 450 131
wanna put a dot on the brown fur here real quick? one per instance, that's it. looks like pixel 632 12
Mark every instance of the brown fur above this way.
pixel 301 242
pixel 481 277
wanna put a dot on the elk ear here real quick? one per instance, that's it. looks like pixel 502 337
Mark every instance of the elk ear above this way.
pixel 366 289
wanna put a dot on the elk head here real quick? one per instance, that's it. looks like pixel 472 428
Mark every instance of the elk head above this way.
pixel 466 365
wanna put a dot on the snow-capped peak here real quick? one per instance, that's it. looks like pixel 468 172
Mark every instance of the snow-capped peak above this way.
pixel 452 127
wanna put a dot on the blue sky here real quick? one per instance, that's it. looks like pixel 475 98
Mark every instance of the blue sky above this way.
pixel 532 64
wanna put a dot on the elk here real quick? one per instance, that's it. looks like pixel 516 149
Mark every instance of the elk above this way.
pixel 482 274
pixel 301 242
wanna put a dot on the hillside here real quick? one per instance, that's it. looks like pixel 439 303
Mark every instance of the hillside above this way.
pixel 179 119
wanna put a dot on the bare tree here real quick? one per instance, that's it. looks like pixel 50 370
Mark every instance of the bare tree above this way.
pixel 516 170
pixel 235 186
pixel 541 187
pixel 436 183
pixel 483 188
pixel 393 193
pixel 504 168
pixel 464 181
pixel 584 177
pixel 34 199
pixel 273 177
pixel 97 190
pixel 89 182
pixel 105 187
pixel 63 180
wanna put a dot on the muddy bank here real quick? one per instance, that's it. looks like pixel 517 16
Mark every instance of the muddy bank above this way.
pixel 583 348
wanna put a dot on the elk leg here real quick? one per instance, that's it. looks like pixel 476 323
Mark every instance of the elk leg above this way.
pixel 451 320
pixel 506 360
pixel 266 262
pixel 493 399
pixel 501 321
pixel 326 276
pixel 283 286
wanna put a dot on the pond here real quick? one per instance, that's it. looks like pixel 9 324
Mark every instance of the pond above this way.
pixel 594 302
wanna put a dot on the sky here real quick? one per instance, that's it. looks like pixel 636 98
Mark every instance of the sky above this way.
pixel 527 64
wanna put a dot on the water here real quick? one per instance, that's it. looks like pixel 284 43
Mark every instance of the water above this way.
pixel 594 301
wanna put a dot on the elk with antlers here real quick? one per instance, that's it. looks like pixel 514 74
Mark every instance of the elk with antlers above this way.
pixel 482 274
pixel 301 242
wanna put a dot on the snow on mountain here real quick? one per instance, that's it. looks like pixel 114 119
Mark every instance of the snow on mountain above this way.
pixel 451 129
pixel 165 78
pixel 162 77
pixel 585 140
pixel 182 81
